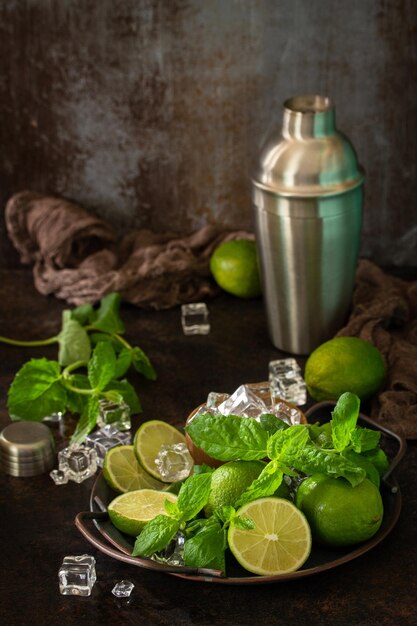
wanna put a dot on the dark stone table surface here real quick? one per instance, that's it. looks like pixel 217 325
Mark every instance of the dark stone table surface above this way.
pixel 37 517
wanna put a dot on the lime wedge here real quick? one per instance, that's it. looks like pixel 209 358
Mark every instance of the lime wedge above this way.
pixel 130 511
pixel 148 440
pixel 279 543
pixel 123 473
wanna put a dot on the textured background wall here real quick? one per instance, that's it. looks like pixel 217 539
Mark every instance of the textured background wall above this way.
pixel 150 113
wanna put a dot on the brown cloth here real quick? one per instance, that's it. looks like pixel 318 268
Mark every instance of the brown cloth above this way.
pixel 385 313
pixel 77 257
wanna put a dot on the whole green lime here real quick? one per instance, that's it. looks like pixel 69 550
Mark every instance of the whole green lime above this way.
pixel 229 481
pixel 339 514
pixel 344 364
pixel 234 266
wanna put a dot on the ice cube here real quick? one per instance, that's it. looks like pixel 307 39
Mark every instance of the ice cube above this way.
pixel 77 575
pixel 123 589
pixel 195 319
pixel 243 402
pixel 78 461
pixel 174 462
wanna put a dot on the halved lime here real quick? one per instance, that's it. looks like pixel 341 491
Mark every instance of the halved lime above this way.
pixel 130 511
pixel 279 543
pixel 123 473
pixel 148 440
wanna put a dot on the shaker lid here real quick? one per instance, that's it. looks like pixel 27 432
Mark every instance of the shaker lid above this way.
pixel 26 448
pixel 310 158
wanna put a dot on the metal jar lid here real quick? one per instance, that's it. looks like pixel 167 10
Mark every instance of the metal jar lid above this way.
pixel 26 449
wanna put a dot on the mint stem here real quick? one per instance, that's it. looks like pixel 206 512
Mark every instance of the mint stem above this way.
pixel 36 342
pixel 66 373
pixel 118 338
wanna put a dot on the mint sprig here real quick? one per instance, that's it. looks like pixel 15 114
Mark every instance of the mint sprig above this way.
pixel 93 358
pixel 192 497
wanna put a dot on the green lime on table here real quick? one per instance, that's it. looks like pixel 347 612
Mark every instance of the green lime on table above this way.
pixel 344 364
pixel 339 514
pixel 130 511
pixel 234 266
pixel 147 443
pixel 280 541
pixel 123 473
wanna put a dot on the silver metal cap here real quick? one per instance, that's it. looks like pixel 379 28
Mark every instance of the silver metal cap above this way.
pixel 26 449
pixel 310 158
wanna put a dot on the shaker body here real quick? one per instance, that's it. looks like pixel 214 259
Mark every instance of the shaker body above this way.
pixel 307 265
pixel 307 200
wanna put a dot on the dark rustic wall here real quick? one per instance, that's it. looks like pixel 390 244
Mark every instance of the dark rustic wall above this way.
pixel 151 112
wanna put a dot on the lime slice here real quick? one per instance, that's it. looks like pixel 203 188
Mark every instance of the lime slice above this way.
pixel 148 440
pixel 130 511
pixel 123 473
pixel 279 543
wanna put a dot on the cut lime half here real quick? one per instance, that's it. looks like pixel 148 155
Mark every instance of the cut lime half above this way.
pixel 130 511
pixel 123 473
pixel 279 543
pixel 148 441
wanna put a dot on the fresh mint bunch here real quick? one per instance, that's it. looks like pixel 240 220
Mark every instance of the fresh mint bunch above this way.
pixel 339 448
pixel 93 358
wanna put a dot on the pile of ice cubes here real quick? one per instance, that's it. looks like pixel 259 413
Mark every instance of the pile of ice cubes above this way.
pixel 285 385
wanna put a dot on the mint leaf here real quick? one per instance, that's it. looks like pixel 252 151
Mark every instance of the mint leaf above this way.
pixel 142 364
pixel 193 495
pixel 228 437
pixel 83 313
pixel 124 360
pixel 207 548
pixel 244 523
pixel 321 434
pixel 225 513
pixel 378 459
pixel 310 459
pixel 87 420
pixel 344 418
pixel 74 344
pixel 156 535
pixel 365 463
pixel 364 439
pixel 128 393
pixel 102 365
pixel 271 423
pixel 266 484
pixel 172 509
pixel 36 391
pixel 107 318
pixel 292 440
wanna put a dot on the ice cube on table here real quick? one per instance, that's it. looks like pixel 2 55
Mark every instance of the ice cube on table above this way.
pixel 243 402
pixel 116 414
pixel 286 381
pixel 79 462
pixel 195 319
pixel 174 462
pixel 77 575
pixel 123 589
pixel 105 438
pixel 59 476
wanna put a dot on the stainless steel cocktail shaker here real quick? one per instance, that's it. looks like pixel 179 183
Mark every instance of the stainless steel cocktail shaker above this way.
pixel 307 197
